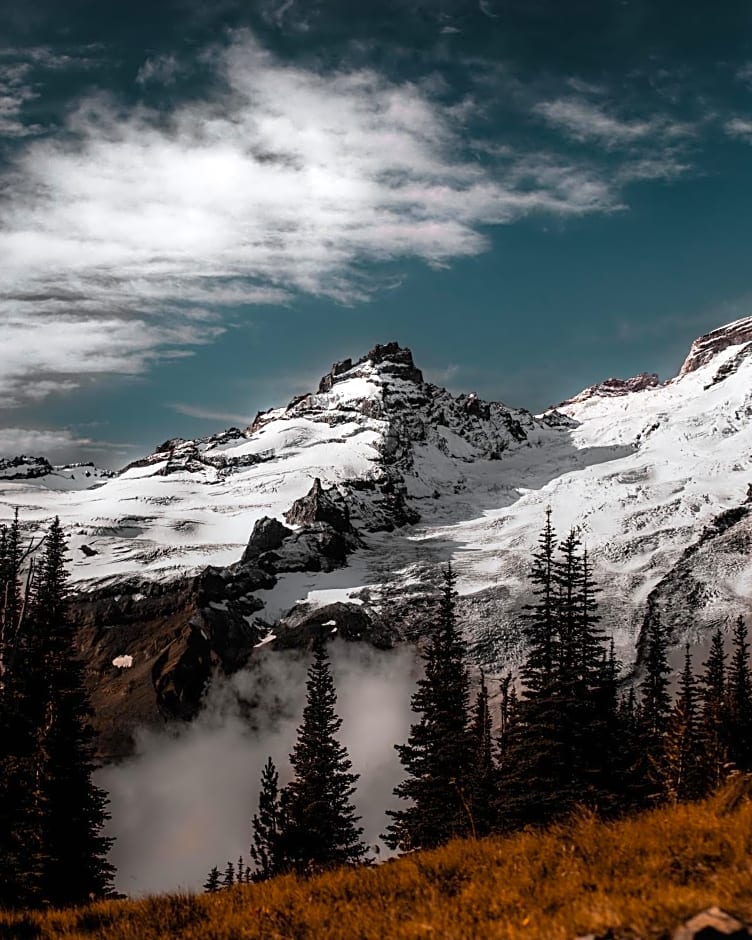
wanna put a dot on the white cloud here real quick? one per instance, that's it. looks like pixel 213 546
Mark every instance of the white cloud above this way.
pixel 162 70
pixel 585 121
pixel 740 128
pixel 54 445
pixel 119 232
pixel 207 414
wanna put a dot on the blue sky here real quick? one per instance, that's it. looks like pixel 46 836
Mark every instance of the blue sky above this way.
pixel 203 205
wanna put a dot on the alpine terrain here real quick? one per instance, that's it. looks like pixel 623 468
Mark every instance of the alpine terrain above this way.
pixel 204 551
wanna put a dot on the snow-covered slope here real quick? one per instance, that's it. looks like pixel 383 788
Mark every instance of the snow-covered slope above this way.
pixel 645 469
pixel 374 429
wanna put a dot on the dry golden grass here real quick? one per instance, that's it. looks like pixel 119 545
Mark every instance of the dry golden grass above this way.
pixel 649 872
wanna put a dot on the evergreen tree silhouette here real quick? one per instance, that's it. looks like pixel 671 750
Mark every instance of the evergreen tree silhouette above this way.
pixel 739 698
pixel 714 714
pixel 319 826
pixel 482 782
pixel 213 881
pixel 653 712
pixel 266 826
pixel 438 754
pixel 55 850
pixel 682 754
pixel 73 808
pixel 228 878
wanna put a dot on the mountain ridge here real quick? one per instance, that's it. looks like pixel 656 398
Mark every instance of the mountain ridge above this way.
pixel 206 550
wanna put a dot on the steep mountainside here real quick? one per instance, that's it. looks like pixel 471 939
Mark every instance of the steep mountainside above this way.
pixel 206 549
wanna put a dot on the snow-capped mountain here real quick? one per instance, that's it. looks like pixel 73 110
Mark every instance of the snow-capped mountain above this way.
pixel 206 549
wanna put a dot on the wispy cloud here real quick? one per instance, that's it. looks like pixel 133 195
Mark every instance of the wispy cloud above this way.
pixel 120 233
pixel 587 121
pixel 740 128
pixel 744 74
pixel 162 70
pixel 19 83
pixel 60 445
pixel 207 414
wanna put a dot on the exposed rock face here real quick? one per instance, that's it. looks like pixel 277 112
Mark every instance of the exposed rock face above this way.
pixel 320 506
pixel 267 536
pixel 612 388
pixel 707 347
pixel 23 467
pixel 350 622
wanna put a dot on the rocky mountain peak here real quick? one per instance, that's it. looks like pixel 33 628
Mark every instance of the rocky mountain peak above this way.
pixel 707 347
pixel 613 388
pixel 388 359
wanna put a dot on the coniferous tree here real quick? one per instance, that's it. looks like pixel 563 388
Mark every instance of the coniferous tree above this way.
pixel 560 746
pixel 228 878
pixel 680 769
pixel 482 789
pixel 438 754
pixel 266 826
pixel 213 881
pixel 20 697
pixel 654 710
pixel 58 852
pixel 714 720
pixel 319 826
pixel 739 698
pixel 533 748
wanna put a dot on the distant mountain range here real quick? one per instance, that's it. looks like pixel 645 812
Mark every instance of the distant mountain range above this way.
pixel 205 550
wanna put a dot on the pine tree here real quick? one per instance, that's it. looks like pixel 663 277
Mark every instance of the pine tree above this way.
pixel 319 825
pixel 560 747
pixel 56 846
pixel 714 714
pixel 533 757
pixel 482 788
pixel 266 826
pixel 739 697
pixel 680 767
pixel 654 710
pixel 228 879
pixel 213 882
pixel 438 754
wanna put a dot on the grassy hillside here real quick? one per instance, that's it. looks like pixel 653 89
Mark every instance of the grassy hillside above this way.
pixel 649 872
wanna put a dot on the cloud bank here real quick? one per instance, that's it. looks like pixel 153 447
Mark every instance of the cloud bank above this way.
pixel 128 231
pixel 184 803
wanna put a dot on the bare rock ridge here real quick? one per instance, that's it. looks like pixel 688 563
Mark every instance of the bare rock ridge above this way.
pixel 612 388
pixel 707 347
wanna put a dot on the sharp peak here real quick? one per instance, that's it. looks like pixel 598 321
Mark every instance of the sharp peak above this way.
pixel 387 357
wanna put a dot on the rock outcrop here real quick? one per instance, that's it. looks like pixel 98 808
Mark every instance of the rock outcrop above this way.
pixel 707 347
pixel 613 388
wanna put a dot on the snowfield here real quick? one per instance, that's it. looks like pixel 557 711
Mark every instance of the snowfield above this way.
pixel 640 470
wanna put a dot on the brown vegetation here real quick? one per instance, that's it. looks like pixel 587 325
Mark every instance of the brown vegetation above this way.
pixel 649 872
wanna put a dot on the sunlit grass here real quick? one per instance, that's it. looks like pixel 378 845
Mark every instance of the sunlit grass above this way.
pixel 649 872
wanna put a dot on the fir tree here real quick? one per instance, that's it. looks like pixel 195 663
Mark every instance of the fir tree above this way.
pixel 680 768
pixel 319 825
pixel 228 878
pixel 438 755
pixel 714 720
pixel 654 710
pixel 266 826
pixel 482 789
pixel 533 750
pixel 213 882
pixel 739 698
pixel 58 852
